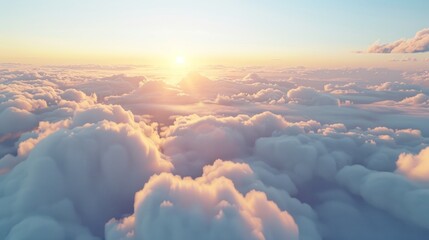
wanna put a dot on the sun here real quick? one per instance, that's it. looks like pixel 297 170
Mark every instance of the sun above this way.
pixel 180 60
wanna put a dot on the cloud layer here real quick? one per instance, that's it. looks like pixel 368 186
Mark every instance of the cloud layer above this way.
pixel 92 153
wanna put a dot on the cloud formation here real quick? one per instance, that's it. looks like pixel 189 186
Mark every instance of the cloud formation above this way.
pixel 419 43
pixel 170 207
pixel 79 174
pixel 309 96
pixel 415 166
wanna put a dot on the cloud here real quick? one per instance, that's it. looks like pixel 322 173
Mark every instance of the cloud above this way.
pixel 419 43
pixel 153 92
pixel 404 60
pixel 193 141
pixel 277 186
pixel 80 177
pixel 420 98
pixel 15 120
pixel 254 78
pixel 354 219
pixel 388 191
pixel 170 207
pixel 36 227
pixel 395 86
pixel 415 166
pixel 309 96
pixel 420 78
pixel 267 95
pixel 348 88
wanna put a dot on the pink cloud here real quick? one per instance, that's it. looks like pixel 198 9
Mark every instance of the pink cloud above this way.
pixel 415 166
pixel 419 43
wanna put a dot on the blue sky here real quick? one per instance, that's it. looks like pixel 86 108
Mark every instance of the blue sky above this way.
pixel 126 29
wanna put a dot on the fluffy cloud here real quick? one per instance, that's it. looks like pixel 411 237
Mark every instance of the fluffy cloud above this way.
pixel 193 141
pixel 415 166
pixel 309 96
pixel 419 43
pixel 267 95
pixel 170 207
pixel 349 88
pixel 395 86
pixel 253 77
pixel 276 185
pixel 25 102
pixel 421 99
pixel 84 175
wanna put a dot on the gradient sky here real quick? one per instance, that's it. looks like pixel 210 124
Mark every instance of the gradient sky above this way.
pixel 314 33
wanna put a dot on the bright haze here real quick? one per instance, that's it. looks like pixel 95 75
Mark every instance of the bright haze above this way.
pixel 267 120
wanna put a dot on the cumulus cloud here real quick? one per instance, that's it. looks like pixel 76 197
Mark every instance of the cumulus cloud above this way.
pixel 267 95
pixel 310 96
pixel 420 98
pixel 194 141
pixel 276 185
pixel 348 88
pixel 395 86
pixel 65 172
pixel 254 77
pixel 415 166
pixel 170 207
pixel 419 43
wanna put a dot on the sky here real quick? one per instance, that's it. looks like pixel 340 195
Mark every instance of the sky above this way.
pixel 310 33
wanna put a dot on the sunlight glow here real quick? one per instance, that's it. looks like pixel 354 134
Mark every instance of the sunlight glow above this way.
pixel 180 60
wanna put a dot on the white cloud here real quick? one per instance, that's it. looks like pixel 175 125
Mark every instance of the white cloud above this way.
pixel 310 96
pixel 419 43
pixel 83 175
pixel 170 207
